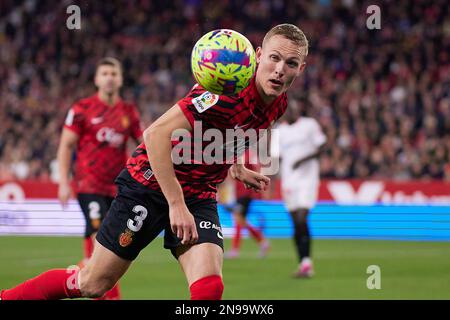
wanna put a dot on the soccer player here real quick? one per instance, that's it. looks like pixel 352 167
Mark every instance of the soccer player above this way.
pixel 154 194
pixel 300 144
pixel 98 128
pixel 240 212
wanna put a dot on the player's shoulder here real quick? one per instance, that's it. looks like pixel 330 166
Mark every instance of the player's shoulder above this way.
pixel 281 125
pixel 198 90
pixel 203 100
pixel 84 103
pixel 129 106
pixel 88 100
pixel 309 121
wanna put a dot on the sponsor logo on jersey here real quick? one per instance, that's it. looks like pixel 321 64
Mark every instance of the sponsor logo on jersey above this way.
pixel 205 101
pixel 97 120
pixel 111 136
pixel 240 126
pixel 126 238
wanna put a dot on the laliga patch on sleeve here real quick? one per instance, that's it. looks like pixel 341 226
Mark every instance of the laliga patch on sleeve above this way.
pixel 205 101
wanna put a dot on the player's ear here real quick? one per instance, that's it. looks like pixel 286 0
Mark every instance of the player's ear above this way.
pixel 301 68
pixel 120 79
pixel 258 54
pixel 96 80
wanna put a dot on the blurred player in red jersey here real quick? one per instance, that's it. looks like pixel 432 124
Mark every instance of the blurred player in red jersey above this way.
pixel 154 194
pixel 98 127
pixel 240 212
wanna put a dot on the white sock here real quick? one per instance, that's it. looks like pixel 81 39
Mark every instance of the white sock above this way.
pixel 306 260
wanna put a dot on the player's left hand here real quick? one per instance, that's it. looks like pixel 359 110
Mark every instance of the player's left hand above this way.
pixel 251 179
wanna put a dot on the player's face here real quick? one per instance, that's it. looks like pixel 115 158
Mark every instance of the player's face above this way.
pixel 280 62
pixel 108 79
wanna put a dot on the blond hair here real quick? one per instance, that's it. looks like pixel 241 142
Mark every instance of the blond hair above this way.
pixel 291 32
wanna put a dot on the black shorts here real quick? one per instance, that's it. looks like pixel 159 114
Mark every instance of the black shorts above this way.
pixel 243 204
pixel 138 215
pixel 94 207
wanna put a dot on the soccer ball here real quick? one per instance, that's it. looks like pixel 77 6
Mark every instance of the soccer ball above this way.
pixel 223 62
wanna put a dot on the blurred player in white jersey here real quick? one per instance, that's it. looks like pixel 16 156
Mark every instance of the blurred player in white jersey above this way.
pixel 298 142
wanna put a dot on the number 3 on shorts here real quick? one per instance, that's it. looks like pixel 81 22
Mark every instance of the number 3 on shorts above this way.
pixel 136 224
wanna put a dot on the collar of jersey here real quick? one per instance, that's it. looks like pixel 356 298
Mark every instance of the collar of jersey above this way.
pixel 260 103
pixel 119 101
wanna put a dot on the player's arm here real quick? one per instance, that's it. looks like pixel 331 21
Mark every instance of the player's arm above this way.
pixel 251 179
pixel 67 144
pixel 313 155
pixel 158 143
pixel 137 127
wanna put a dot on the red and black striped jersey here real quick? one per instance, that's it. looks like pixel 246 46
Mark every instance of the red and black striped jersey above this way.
pixel 101 150
pixel 243 111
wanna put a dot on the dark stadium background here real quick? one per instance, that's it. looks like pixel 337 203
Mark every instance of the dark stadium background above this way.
pixel 381 96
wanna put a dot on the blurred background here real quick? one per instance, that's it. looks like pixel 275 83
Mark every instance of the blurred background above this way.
pixel 381 96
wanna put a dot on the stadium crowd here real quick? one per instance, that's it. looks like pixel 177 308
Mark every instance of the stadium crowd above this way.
pixel 382 96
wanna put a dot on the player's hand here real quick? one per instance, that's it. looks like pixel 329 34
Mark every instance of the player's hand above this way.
pixel 182 224
pixel 64 193
pixel 251 179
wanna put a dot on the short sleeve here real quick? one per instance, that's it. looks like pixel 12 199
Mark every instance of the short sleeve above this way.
pixel 317 136
pixel 75 119
pixel 201 105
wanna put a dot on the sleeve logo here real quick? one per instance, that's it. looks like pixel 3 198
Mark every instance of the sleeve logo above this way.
pixel 205 101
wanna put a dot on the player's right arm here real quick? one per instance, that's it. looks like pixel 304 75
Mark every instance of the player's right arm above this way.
pixel 67 144
pixel 158 143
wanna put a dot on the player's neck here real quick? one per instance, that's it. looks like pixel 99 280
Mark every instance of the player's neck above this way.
pixel 108 99
pixel 267 100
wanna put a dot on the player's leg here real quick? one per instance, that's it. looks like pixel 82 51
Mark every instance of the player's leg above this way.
pixel 202 262
pixel 114 250
pixel 300 198
pixel 95 208
pixel 256 234
pixel 103 270
pixel 302 239
pixel 239 223
pixel 99 275
pixel 114 293
pixel 90 206
pixel 202 265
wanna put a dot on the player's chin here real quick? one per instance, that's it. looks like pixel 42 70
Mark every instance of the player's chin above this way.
pixel 275 90
pixel 111 89
pixel 272 92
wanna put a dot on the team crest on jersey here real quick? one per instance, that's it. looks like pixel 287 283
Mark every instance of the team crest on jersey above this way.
pixel 125 122
pixel 205 101
pixel 126 238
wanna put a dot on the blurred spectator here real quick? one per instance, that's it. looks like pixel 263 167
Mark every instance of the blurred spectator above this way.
pixel 382 96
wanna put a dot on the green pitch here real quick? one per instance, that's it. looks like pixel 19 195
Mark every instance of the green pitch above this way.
pixel 409 270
